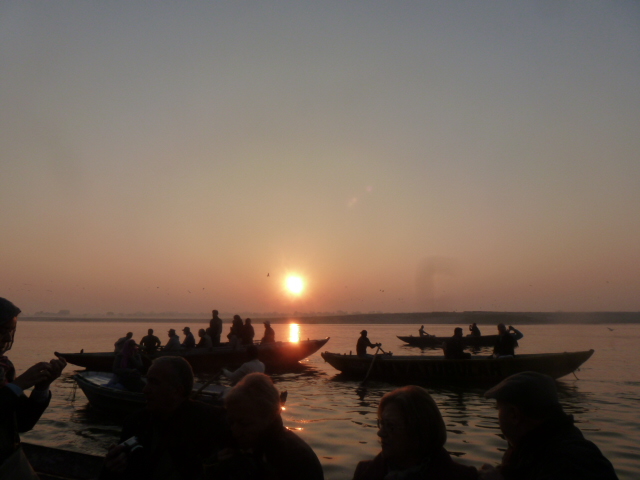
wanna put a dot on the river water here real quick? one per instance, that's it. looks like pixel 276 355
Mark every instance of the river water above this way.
pixel 338 419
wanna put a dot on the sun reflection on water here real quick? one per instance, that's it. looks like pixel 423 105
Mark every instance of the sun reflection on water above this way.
pixel 294 332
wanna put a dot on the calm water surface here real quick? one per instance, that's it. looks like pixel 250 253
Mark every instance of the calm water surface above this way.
pixel 338 419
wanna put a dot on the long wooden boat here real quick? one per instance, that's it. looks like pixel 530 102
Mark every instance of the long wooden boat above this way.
pixel 275 356
pixel 58 464
pixel 103 396
pixel 439 369
pixel 427 341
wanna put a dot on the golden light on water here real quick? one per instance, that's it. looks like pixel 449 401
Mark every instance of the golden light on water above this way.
pixel 294 332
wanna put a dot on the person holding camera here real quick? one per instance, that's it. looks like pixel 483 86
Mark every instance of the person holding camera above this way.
pixel 172 435
pixel 507 341
pixel 19 413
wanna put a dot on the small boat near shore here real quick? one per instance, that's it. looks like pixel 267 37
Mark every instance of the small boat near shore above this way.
pixel 437 369
pixel 104 396
pixel 275 356
pixel 431 341
pixel 58 464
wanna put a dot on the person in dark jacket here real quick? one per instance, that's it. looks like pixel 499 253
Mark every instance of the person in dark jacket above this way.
pixel 412 434
pixel 507 341
pixel 171 437
pixel 544 443
pixel 19 413
pixel 262 448
pixel 454 347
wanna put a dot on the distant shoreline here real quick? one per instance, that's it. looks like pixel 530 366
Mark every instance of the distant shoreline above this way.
pixel 426 318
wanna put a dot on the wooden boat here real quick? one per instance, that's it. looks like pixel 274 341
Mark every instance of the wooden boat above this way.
pixel 439 369
pixel 275 356
pixel 105 397
pixel 432 341
pixel 58 464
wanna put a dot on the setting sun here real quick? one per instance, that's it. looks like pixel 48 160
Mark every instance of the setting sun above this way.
pixel 295 285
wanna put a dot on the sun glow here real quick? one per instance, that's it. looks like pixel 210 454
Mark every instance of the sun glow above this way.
pixel 295 285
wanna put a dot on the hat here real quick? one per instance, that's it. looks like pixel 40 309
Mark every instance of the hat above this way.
pixel 531 391
pixel 363 331
pixel 8 311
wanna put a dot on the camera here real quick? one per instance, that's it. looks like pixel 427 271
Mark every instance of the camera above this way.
pixel 131 445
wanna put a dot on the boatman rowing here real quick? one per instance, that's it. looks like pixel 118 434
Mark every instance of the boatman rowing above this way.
pixel 363 343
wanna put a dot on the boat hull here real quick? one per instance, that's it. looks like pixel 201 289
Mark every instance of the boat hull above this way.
pixel 276 356
pixel 431 369
pixel 117 402
pixel 435 342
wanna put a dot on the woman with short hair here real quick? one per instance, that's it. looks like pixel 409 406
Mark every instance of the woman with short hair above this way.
pixel 412 434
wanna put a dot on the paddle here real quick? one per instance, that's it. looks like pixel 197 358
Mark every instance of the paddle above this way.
pixel 371 366
pixel 209 382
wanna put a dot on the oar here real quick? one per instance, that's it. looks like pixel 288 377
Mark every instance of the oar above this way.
pixel 209 382
pixel 372 361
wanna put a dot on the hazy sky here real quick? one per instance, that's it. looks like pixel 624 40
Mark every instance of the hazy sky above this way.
pixel 398 156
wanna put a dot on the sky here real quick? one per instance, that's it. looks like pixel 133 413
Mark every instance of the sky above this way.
pixel 395 156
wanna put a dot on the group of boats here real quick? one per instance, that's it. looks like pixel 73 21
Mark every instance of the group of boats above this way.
pixel 98 386
pixel 96 382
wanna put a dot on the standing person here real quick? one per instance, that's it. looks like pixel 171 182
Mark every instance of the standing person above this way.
pixel 262 447
pixel 543 441
pixel 189 340
pixel 19 413
pixel 507 341
pixel 176 434
pixel 150 343
pixel 120 342
pixel 269 333
pixel 205 339
pixel 252 365
pixel 247 332
pixel 174 341
pixel 364 343
pixel 412 434
pixel 215 328
pixel 454 347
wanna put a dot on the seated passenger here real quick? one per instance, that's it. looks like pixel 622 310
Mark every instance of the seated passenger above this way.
pixel 475 331
pixel 189 340
pixel 176 434
pixel 269 333
pixel 543 441
pixel 412 433
pixel 174 341
pixel 127 368
pixel 150 343
pixel 262 447
pixel 253 364
pixel 205 339
pixel 454 347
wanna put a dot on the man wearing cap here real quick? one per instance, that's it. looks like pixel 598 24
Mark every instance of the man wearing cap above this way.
pixel 189 339
pixel 174 341
pixel 543 441
pixel 363 343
